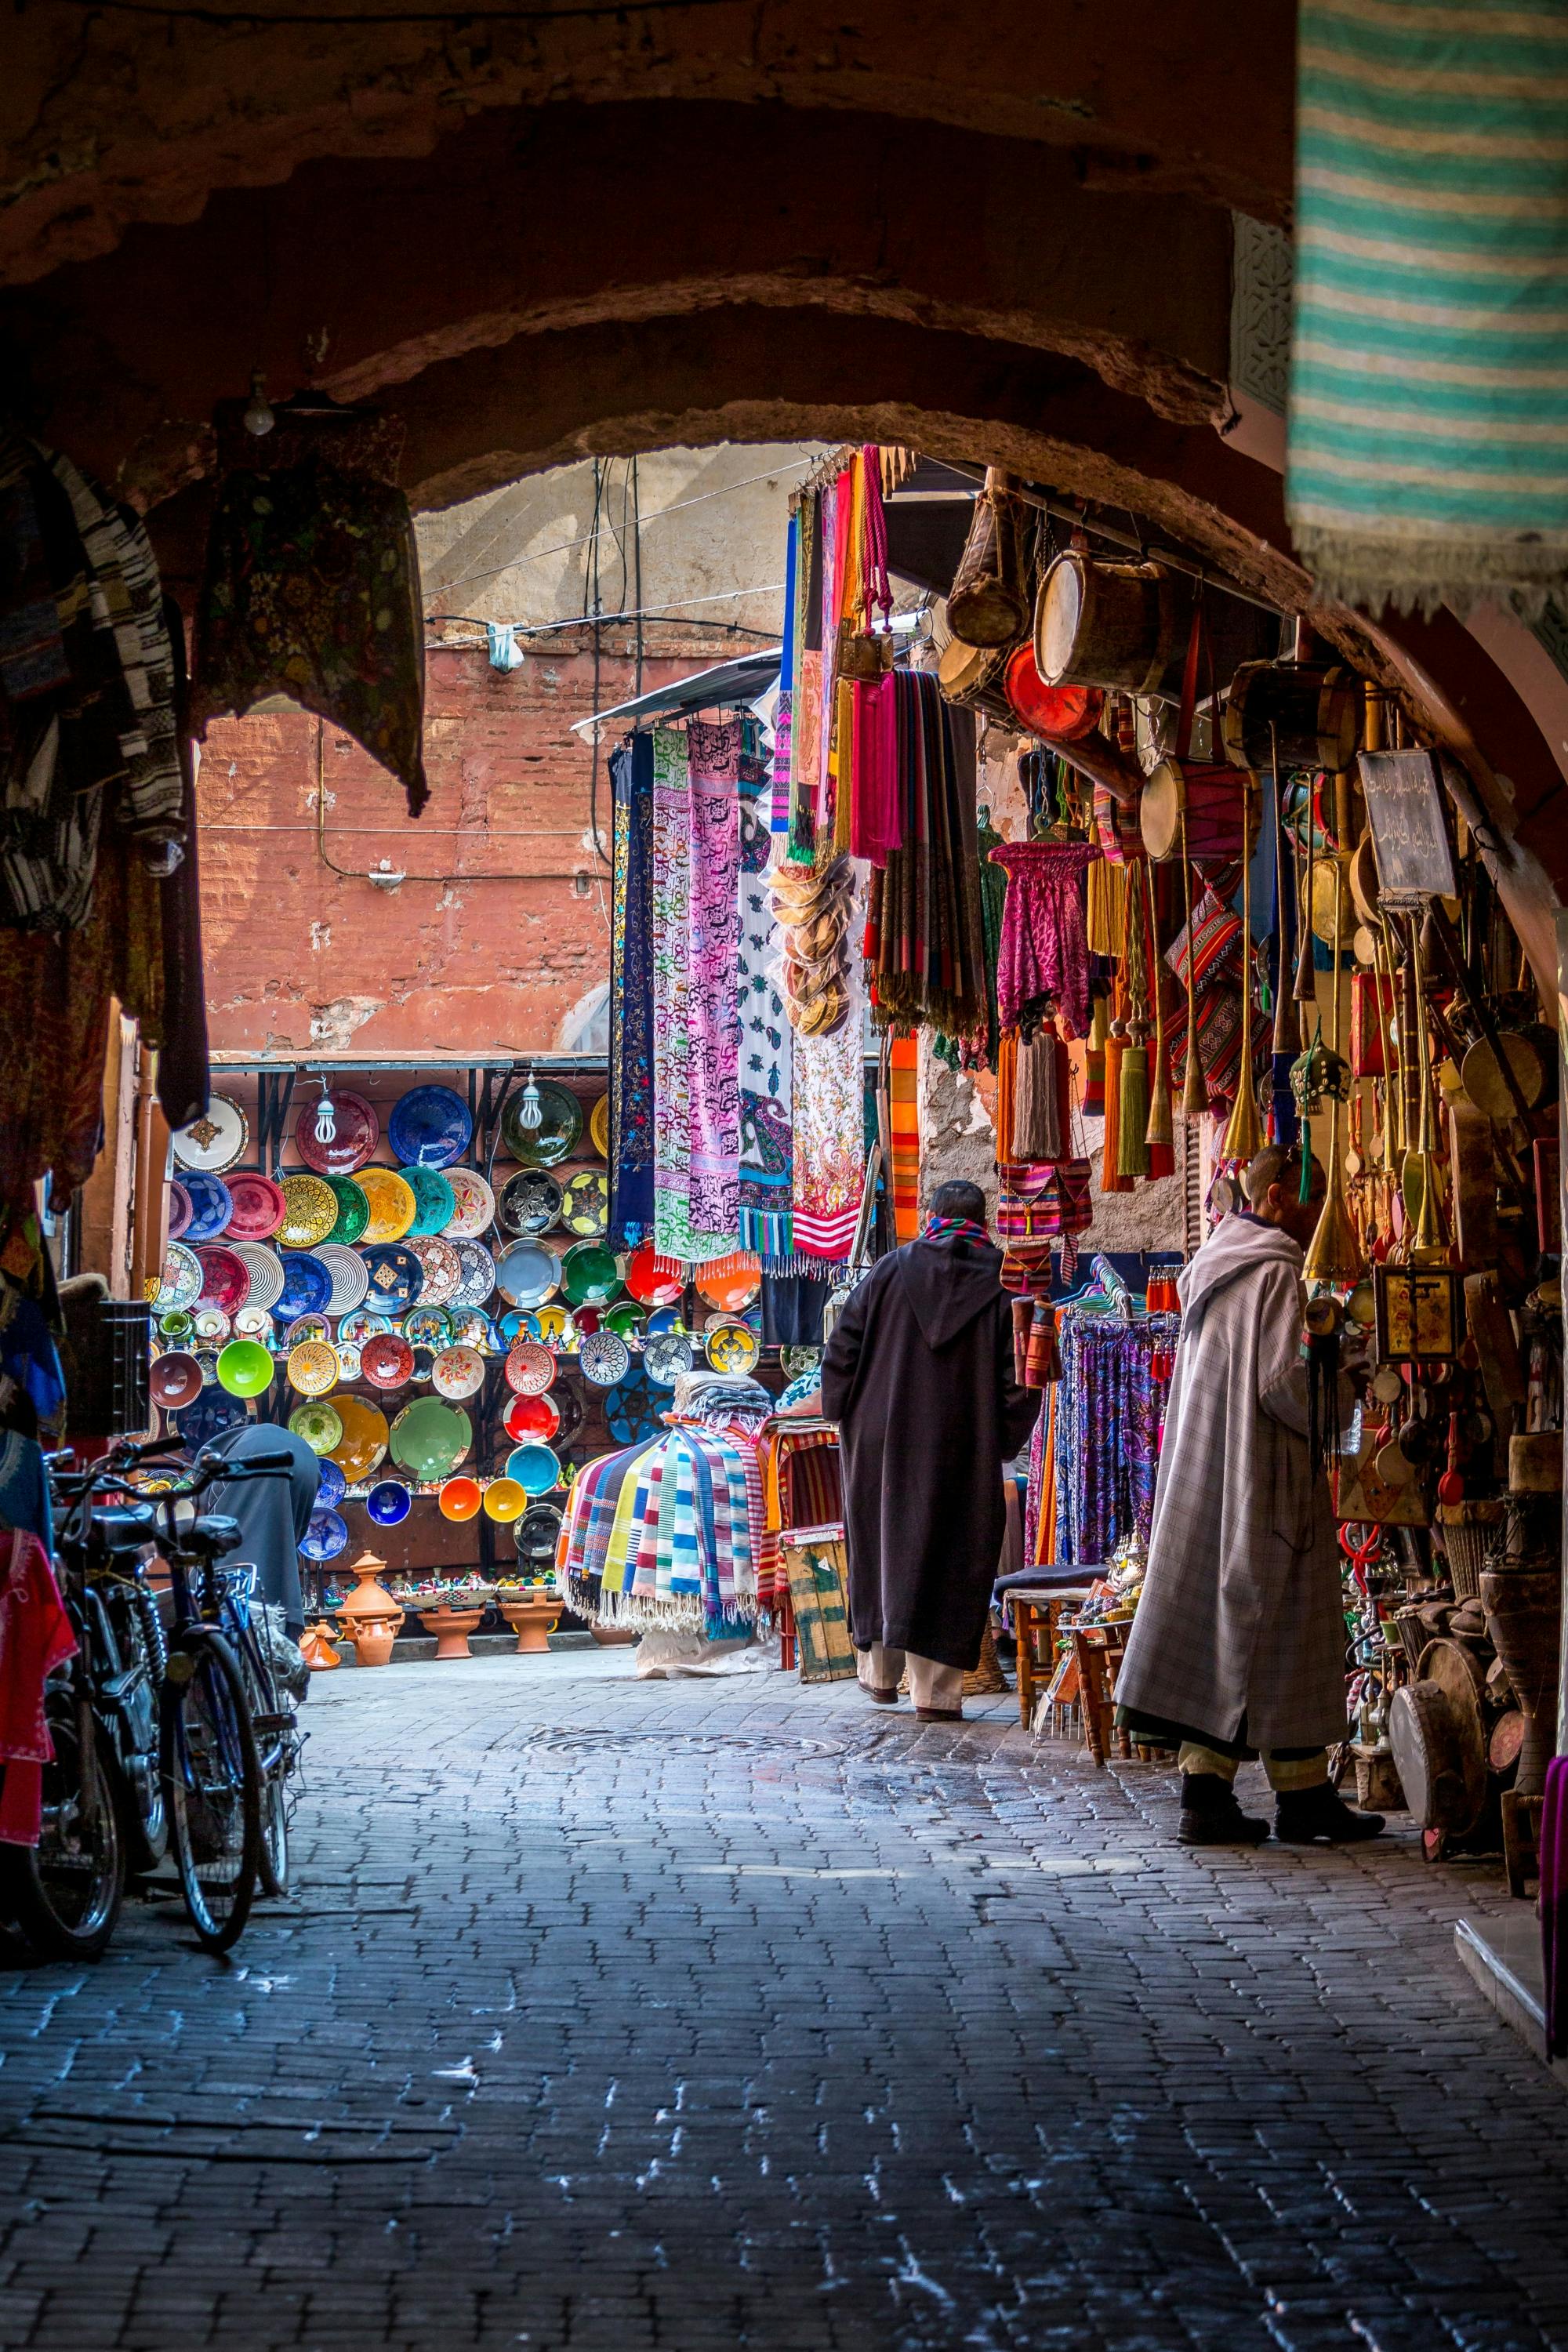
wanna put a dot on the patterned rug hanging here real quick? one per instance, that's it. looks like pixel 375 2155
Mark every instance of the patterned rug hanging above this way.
pixel 676 1236
pixel 767 1090
pixel 829 1121
pixel 631 994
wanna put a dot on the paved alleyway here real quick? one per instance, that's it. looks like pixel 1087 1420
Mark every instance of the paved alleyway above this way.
pixel 618 2015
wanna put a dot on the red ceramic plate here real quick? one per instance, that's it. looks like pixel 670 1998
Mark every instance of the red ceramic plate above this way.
pixel 387 1360
pixel 175 1380
pixel 530 1368
pixel 225 1279
pixel 728 1286
pixel 647 1284
pixel 531 1417
pixel 258 1206
pixel 358 1133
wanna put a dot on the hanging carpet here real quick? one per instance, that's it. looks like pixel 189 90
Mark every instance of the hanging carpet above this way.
pixel 631 994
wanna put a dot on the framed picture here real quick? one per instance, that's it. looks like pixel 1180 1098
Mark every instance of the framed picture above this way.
pixel 1419 1313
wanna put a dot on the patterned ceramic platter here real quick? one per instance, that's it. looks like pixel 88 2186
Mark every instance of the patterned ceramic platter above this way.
pixel 728 1286
pixel 389 1503
pixel 628 1321
pixel 599 1126
pixel 326 1536
pixel 216 1141
pixel 180 1212
pixel 518 1324
pixel 333 1483
pixel 260 1206
pixel 556 1328
pixel 586 1203
pixel 731 1348
pixel 351 1277
pixel 313 1368
pixel 458 1372
pixel 535 1468
pixel 526 1273
pixel 650 1284
pixel 175 1380
pixel 253 1322
pixel 560 1125
pixel 530 1368
pixel 307 1326
pixel 212 1323
pixel 531 1417
pixel 307 1285
pixel 348 1359
pixel 537 1535
pixel 796 1361
pixel 353 1210
pixel 430 1127
pixel 443 1269
pixel 530 1202
pixel 434 1203
pixel 392 1204
pixel 476 1209
pixel 604 1359
pixel 590 1275
pixel 630 1410
pixel 212 1206
pixel 213 1412
pixel 266 1270
pixel 428 1327
pixel 470 1328
pixel 226 1277
pixel 387 1360
pixel 363 1445
pixel 310 1212
pixel 182 1283
pixel 356 1133
pixel 319 1423
pixel 396 1277
pixel 363 1325
pixel 478 1274
pixel 666 1357
pixel 245 1369
pixel 430 1437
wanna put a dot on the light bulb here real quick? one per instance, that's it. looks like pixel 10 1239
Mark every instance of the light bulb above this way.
pixel 258 417
pixel 529 1112
pixel 326 1119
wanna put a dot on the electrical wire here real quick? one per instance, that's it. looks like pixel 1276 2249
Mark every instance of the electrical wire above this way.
pixel 256 18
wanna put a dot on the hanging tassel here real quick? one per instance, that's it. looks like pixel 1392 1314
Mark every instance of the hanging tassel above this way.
pixel 1132 1135
pixel 1194 1091
pixel 1283 1128
pixel 1094 1062
pixel 1244 1129
pixel 1112 1177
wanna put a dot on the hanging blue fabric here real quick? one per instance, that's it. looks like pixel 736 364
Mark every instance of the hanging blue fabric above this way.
pixel 505 651
pixel 783 717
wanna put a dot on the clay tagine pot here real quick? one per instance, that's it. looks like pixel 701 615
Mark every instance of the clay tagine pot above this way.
pixel 371 1638
pixel 369 1619
pixel 531 1616
pixel 316 1649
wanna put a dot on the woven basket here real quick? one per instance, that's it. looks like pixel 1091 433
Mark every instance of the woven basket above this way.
pixel 1468 1529
pixel 987 1678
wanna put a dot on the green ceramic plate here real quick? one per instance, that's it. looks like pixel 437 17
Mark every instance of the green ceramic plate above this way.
pixel 590 1275
pixel 318 1423
pixel 353 1209
pixel 431 1438
pixel 434 1203
pixel 560 1125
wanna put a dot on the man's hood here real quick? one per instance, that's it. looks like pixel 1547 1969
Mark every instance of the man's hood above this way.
pixel 948 1284
pixel 1237 1245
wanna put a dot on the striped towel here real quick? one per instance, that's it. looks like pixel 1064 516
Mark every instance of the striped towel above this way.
pixel 1428 458
pixel 904 1124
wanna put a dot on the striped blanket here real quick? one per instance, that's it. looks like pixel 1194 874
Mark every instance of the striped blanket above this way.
pixel 1428 457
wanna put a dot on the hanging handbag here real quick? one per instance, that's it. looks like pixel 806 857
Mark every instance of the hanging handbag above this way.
pixel 1191 808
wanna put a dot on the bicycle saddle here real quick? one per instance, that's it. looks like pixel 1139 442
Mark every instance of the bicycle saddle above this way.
pixel 126 1528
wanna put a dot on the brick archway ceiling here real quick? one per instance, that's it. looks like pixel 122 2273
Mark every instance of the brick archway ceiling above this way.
pixel 1019 257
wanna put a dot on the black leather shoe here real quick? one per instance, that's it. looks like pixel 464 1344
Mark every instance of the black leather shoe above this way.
pixel 1211 1815
pixel 1319 1815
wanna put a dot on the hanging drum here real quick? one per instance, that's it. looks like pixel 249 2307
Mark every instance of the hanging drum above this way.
pixel 1303 714
pixel 1063 713
pixel 988 604
pixel 1097 624
pixel 1215 799
pixel 973 676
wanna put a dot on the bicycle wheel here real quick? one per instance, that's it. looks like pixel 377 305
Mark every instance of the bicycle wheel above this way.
pixel 65 1892
pixel 273 1727
pixel 274 1836
pixel 213 1784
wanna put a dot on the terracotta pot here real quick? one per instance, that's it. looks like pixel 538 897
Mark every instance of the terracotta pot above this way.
pixel 371 1638
pixel 1524 1617
pixel 531 1618
pixel 613 1637
pixel 316 1649
pixel 451 1627
pixel 368 1598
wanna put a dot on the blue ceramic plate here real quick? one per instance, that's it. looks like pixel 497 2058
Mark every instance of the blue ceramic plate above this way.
pixel 528 1274
pixel 535 1468
pixel 518 1325
pixel 307 1285
pixel 388 1502
pixel 396 1277
pixel 325 1536
pixel 663 1319
pixel 430 1128
pixel 334 1486
pixel 478 1274
pixel 434 1203
pixel 629 1410
pixel 212 1206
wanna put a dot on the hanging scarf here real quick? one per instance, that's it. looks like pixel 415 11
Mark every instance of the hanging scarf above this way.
pixel 676 1236
pixel 714 755
pixel 783 713
pixel 767 1145
pixel 926 942
pixel 1044 951
pixel 904 1126
pixel 830 1132
pixel 805 720
pixel 631 995
pixel 1105 1434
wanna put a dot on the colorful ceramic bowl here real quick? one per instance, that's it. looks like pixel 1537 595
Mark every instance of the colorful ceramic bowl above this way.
pixel 729 1284
pixel 666 1357
pixel 630 1412
pixel 253 1322
pixel 226 1277
pixel 528 1203
pixel 470 1328
pixel 212 1206
pixel 245 1369
pixel 175 1380
pixel 325 1536
pixel 530 1368
pixel 536 1417
pixel 332 1486
pixel 396 1277
pixel 216 1141
pixel 353 1210
pixel 537 1535
pixel 599 1126
pixel 307 1326
pixel 181 1282
pixel 535 1468
pixel 586 1203
pixel 259 1205
pixel 389 1503
pixel 434 1203
pixel 430 1127
pixel 458 1372
pixel 519 1323
pixel 348 1359
pixel 478 1274
pixel 313 1370
pixel 307 1285
pixel 560 1125
pixel 310 1212
pixel 351 1277
pixel 476 1204
pixel 459 1498
pixel 732 1347
pixel 211 1323
pixel 526 1274
pixel 391 1205
pixel 430 1437
pixel 556 1328
pixel 356 1132
pixel 364 1323
pixel 442 1270
pixel 628 1321
pixel 506 1499
pixel 590 1275
pixel 605 1359
pixel 363 1445
pixel 265 1268
pixel 428 1327
pixel 387 1360
pixel 318 1422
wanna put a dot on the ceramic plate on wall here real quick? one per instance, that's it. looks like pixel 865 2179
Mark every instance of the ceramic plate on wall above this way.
pixel 560 1125
pixel 431 1438
pixel 182 1283
pixel 478 1280
pixel 313 1368
pixel 226 1277
pixel 434 1203
pixel 351 1277
pixel 527 1272
pixel 307 1285
pixel 396 1277
pixel 265 1268
pixel 604 1359
pixel 476 1204
pixel 217 1139
pixel 529 1202
pixel 363 1445
pixel 364 1323
pixel 212 1206
pixel 586 1203
pixel 428 1327
pixel 260 1206
pixel 458 1372
pixel 310 1212
pixel 430 1127
pixel 392 1204
pixel 443 1269
pixel 318 1424
pixel 353 1210
pixel 530 1368
pixel 180 1211
pixel 357 1132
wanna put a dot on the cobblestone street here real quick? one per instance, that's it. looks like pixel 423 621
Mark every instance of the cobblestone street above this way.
pixel 623 2015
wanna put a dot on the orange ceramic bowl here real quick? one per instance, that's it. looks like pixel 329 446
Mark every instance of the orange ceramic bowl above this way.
pixel 460 1498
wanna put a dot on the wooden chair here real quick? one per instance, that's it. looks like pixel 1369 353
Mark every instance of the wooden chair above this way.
pixel 1100 1650
pixel 1037 1609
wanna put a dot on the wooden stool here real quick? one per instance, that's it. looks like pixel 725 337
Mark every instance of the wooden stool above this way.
pixel 1100 1650
pixel 1035 1610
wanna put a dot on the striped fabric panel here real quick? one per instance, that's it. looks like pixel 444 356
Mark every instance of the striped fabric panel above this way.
pixel 904 1122
pixel 1428 448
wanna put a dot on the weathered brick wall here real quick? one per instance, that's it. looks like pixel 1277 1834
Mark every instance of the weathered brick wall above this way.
pixel 503 924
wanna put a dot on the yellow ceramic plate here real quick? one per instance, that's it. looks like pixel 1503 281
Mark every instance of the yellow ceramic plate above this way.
pixel 599 1126
pixel 362 1447
pixel 313 1368
pixel 310 1212
pixel 392 1207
